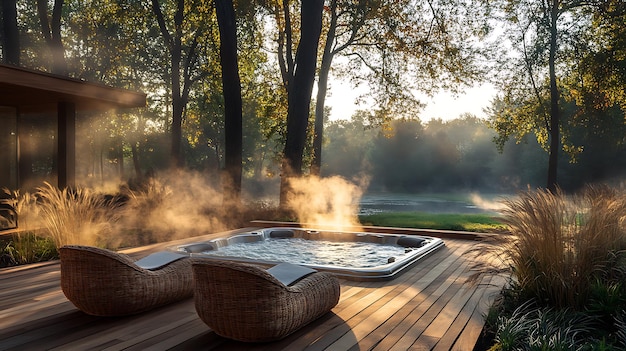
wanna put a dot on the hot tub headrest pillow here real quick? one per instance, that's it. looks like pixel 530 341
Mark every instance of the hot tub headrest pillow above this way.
pixel 197 248
pixel 283 233
pixel 408 241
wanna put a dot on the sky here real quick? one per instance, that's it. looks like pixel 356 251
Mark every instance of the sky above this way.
pixel 444 105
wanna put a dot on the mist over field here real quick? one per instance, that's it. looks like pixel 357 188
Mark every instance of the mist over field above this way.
pixel 457 156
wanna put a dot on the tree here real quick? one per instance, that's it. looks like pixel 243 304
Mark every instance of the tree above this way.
pixel 599 74
pixel 299 91
pixel 331 48
pixel 531 101
pixel 232 100
pixel 51 31
pixel 398 48
pixel 107 42
pixel 10 34
pixel 348 144
pixel 187 30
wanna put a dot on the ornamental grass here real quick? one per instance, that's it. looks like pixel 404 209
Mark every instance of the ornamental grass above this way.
pixel 566 260
pixel 75 216
pixel 560 246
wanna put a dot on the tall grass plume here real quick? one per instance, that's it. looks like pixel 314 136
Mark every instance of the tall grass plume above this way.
pixel 559 246
pixel 29 244
pixel 75 216
pixel 25 205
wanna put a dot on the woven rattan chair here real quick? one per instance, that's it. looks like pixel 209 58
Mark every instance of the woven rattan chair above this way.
pixel 246 303
pixel 101 282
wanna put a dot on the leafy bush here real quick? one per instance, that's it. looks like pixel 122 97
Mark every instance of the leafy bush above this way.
pixel 534 328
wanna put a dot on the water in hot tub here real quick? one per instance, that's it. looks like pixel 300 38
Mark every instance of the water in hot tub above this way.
pixel 315 252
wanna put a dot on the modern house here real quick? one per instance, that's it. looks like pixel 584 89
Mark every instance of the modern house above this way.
pixel 38 114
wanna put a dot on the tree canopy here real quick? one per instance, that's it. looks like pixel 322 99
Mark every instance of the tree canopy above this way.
pixel 547 74
pixel 561 78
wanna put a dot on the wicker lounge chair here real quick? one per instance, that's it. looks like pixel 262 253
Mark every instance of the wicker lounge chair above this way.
pixel 101 282
pixel 247 303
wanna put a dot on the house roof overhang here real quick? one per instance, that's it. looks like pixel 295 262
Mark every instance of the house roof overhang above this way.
pixel 34 90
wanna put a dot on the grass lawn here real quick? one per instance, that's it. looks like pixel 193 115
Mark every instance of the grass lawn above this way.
pixel 483 223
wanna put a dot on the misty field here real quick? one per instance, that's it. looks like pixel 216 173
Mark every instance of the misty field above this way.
pixel 445 211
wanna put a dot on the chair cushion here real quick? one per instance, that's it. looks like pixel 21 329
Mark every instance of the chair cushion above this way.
pixel 288 273
pixel 159 260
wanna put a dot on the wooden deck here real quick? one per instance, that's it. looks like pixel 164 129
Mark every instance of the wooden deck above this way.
pixel 427 308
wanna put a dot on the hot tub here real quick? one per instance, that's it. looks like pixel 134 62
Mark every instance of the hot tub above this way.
pixel 349 255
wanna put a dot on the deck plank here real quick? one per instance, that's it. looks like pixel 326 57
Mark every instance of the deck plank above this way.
pixel 400 324
pixel 429 307
pixel 382 295
pixel 375 319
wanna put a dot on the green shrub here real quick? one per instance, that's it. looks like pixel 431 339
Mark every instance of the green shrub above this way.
pixel 27 247
pixel 535 328
pixel 606 300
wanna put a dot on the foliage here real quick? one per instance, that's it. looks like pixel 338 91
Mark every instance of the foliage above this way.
pixel 402 45
pixel 560 245
pixel 458 155
pixel 413 157
pixel 27 247
pixel 347 146
pixel 519 323
pixel 600 74
pixel 545 45
pixel 566 256
pixel 30 244
pixel 530 327
pixel 620 323
pixel 399 48
pixel 25 204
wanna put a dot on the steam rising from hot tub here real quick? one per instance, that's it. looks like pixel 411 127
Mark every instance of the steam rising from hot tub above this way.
pixel 184 203
pixel 180 204
pixel 332 202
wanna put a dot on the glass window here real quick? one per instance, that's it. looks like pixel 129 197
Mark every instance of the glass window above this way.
pixel 8 148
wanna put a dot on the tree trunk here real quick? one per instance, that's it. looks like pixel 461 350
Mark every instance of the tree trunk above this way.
pixel 320 102
pixel 51 31
pixel 322 89
pixel 121 159
pixel 176 158
pixel 299 98
pixel 10 33
pixel 136 164
pixel 232 102
pixel 179 100
pixel 554 103
pixel 178 107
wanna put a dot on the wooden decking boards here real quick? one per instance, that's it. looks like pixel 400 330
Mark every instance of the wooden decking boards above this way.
pixel 430 307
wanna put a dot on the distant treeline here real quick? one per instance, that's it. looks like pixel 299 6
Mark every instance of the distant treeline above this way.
pixel 413 156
